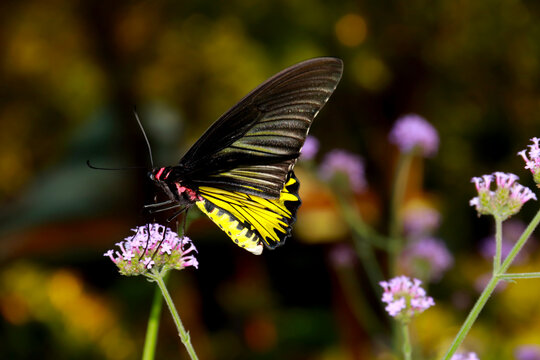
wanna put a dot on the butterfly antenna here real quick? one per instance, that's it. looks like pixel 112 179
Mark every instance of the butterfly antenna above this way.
pixel 121 168
pixel 145 137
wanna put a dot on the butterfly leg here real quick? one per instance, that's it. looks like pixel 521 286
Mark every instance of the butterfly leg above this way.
pixel 185 221
pixel 147 241
pixel 158 204
pixel 175 215
pixel 160 242
pixel 153 211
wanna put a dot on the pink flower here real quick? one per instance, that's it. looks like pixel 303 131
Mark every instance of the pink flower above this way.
pixel 419 218
pixel 413 131
pixel 405 298
pixel 503 202
pixel 310 148
pixel 468 356
pixel 533 161
pixel 527 352
pixel 344 163
pixel 427 256
pixel 153 246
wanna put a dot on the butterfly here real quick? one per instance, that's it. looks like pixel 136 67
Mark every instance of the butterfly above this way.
pixel 240 172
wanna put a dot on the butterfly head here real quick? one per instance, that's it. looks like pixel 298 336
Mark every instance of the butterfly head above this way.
pixel 159 176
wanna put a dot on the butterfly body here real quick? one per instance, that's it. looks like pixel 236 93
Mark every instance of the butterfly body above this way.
pixel 240 172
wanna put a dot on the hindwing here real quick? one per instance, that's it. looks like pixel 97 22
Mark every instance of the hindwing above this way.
pixel 250 220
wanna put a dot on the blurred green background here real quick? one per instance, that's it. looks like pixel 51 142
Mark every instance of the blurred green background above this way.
pixel 71 73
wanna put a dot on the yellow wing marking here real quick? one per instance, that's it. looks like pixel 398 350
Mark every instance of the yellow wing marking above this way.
pixel 239 234
pixel 250 220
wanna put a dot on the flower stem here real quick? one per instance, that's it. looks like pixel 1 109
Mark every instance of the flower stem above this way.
pixel 364 239
pixel 184 335
pixel 497 276
pixel 498 245
pixel 407 350
pixel 352 216
pixel 531 275
pixel 520 243
pixel 471 318
pixel 398 193
pixel 150 341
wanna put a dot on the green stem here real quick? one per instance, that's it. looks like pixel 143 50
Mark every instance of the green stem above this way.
pixel 471 318
pixel 150 341
pixel 395 227
pixel 363 239
pixel 498 245
pixel 520 243
pixel 184 335
pixel 354 295
pixel 511 276
pixel 407 349
pixel 356 223
pixel 491 286
pixel 398 194
pixel 369 263
pixel 531 275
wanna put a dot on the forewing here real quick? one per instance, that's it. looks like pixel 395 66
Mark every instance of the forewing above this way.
pixel 249 220
pixel 253 146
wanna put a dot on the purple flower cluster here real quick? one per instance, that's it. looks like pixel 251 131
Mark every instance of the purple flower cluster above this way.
pixel 405 298
pixel 468 356
pixel 153 246
pixel 527 352
pixel 505 201
pixel 310 148
pixel 420 218
pixel 413 131
pixel 428 256
pixel 533 161
pixel 344 163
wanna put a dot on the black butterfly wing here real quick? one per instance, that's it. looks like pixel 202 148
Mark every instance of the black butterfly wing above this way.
pixel 253 146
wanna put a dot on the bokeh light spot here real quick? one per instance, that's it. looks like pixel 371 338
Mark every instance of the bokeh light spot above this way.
pixel 370 72
pixel 351 30
pixel 260 333
pixel 64 288
pixel 14 309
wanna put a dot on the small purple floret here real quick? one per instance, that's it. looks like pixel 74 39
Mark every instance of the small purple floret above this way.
pixel 310 148
pixel 527 352
pixel 344 162
pixel 468 356
pixel 405 298
pixel 413 131
pixel 140 253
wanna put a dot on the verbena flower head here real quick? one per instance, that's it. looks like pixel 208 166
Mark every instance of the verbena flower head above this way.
pixel 139 253
pixel 405 298
pixel 527 352
pixel 533 161
pixel 340 162
pixel 468 356
pixel 413 131
pixel 427 257
pixel 505 201
pixel 419 218
pixel 310 148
